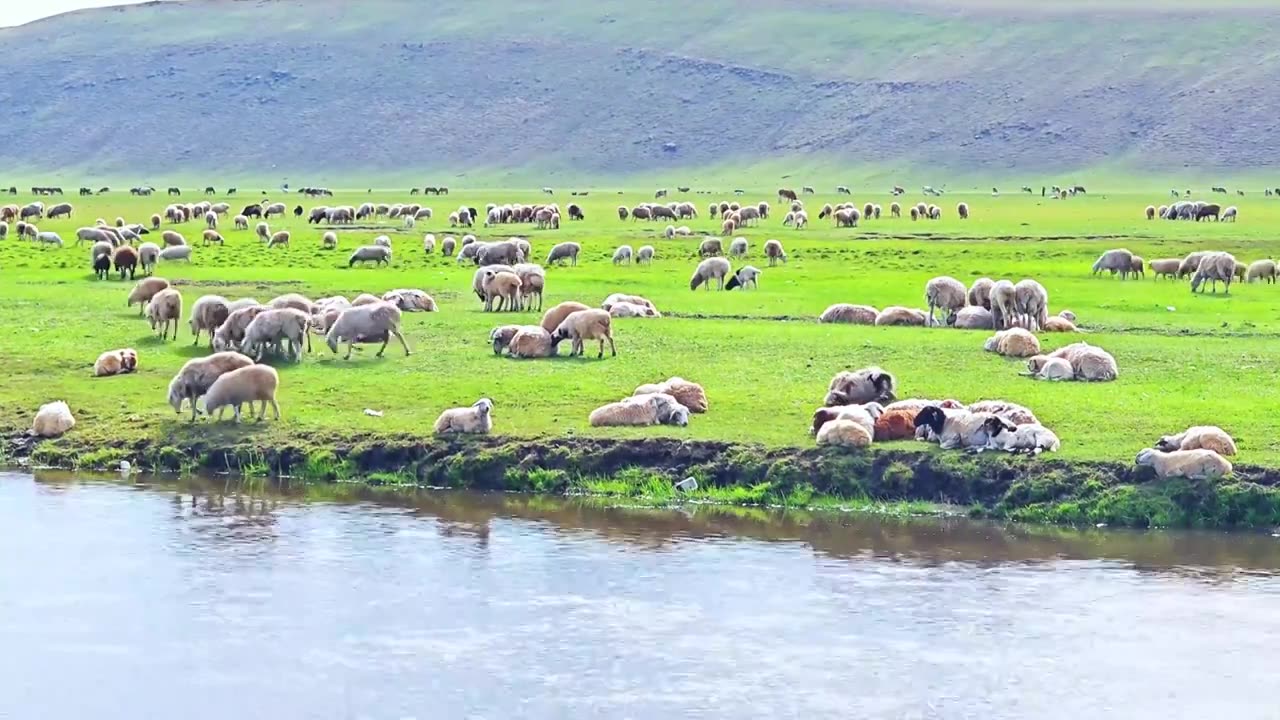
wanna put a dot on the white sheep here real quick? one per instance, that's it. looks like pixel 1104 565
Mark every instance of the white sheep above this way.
pixel 165 307
pixel 745 276
pixel 1091 364
pixel 1043 367
pixel 641 410
pixel 1031 301
pixel 1191 464
pixel 1030 438
pixel 945 293
pixel 1014 342
pixel 474 420
pixel 1199 437
pixel 198 375
pixel 773 250
pixel 715 268
pixel 230 334
pixel 367 323
pixel 645 254
pixel 586 325
pixel 622 255
pixel 249 384
pixel 207 314
pixel 177 252
pixel 739 247
pixel 844 433
pixel 52 420
pixel 1003 304
pixel 1215 266
pixel 271 327
pixel 376 254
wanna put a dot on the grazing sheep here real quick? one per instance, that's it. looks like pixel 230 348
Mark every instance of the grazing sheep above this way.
pixel 262 231
pixel 980 293
pixel 474 420
pixel 962 210
pixel 1043 367
pixel 945 293
pixel 710 247
pixel 171 238
pixel 689 394
pixel 1262 270
pixel 1031 438
pixel 1151 212
pixel 564 251
pixel 896 315
pixel 1031 301
pixel 375 254
pixel 507 252
pixel 844 433
pixel 47 238
pixel 746 275
pixel 1115 261
pixel 1199 437
pixel 954 430
pixel 556 315
pixel 973 317
pixel 367 323
pixel 94 235
pixel 148 254
pixel 715 268
pixel 640 411
pixel 645 254
pixel 1136 266
pixel 1165 267
pixel 249 384
pixel 279 238
pixel 773 250
pixel 116 362
pixel 1230 214
pixel 271 327
pixel 241 222
pixel 125 260
pixel 177 252
pixel 155 222
pixel 850 314
pixel 1014 342
pixel 1191 263
pixel 1215 266
pixel 207 314
pixel 586 325
pixel 870 384
pixel 230 333
pixel 211 220
pixel 52 419
pixel 622 254
pixel 1190 464
pixel 329 241
pixel 144 290
pixel 212 236
pixel 165 307
pixel 1091 364
pixel 502 335
pixel 738 248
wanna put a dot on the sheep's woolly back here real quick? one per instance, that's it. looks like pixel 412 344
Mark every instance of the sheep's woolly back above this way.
pixel 851 314
pixel 1014 342
pixel 844 433
pixel 556 315
pixel 1013 412
pixel 689 394
pixel 974 317
pixel 871 384
pixel 531 341
pixel 897 315
pixel 896 424
pixel 244 385
pixel 146 289
pixel 1199 437
pixel 1193 464
pixel 52 420
pixel 641 410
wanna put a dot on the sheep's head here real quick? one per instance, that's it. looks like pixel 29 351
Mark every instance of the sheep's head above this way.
pixel 874 409
pixel 1036 363
pixel 995 425
pixel 177 392
pixel 884 385
pixel 931 417
pixel 821 417
pixel 483 406
pixel 1167 444
pixel 1146 457
pixel 679 416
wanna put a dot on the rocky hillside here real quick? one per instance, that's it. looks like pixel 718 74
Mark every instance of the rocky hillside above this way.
pixel 266 88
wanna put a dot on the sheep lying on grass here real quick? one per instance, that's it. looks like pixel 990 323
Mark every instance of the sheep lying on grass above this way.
pixel 688 394
pixel 52 419
pixel 116 362
pixel 474 420
pixel 198 375
pixel 865 415
pixel 641 410
pixel 1091 364
pixel 1029 438
pixel 895 315
pixel 843 433
pixel 851 314
pixel 1190 464
pixel 1199 437
pixel 870 384
pixel 1013 412
pixel 254 383
pixel 1014 342
pixel 957 429
pixel 1043 367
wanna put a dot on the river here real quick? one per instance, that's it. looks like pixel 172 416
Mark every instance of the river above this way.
pixel 207 600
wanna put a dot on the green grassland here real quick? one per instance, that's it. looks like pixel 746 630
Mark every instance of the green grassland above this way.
pixel 765 361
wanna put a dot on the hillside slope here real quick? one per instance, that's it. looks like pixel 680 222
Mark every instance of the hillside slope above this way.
pixel 608 89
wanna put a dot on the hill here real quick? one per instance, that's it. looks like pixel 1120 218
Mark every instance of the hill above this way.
pixel 506 91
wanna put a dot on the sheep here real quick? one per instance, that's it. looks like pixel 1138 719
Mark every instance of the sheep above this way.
pixel 171 238
pixel 94 235
pixel 116 362
pixel 503 286
pixel 211 220
pixel 262 231
pixel 586 325
pixel 844 433
pixel 980 293
pixel 1215 266
pixel 1151 212
pixel 1057 323
pixel 1199 437
pixel 474 420
pixel 864 415
pixel 279 238
pixel 1191 263
pixel 244 385
pixel 207 314
pixel 1031 300
pixel 329 241
pixel 556 315
pixel 1091 364
pixel 851 314
pixel 4 230
pixel 1043 367
pixel 945 293
pixel 1013 412
pixel 641 410
pixel 1230 214
pixel 144 290
pixel 773 250
pixel 1115 261
pixel 148 254
pixel 1014 342
pixel 367 323
pixel 155 222
pixel 1261 270
pixel 897 315
pixel 52 419
pixel 533 280
pixel 241 222
pixel 689 394
pixel 1031 438
pixel 957 429
pixel 628 310
pixel 962 210
pixel 125 260
pixel 165 307
pixel 622 254
pixel 376 254
pixel 564 251
pixel 738 248
pixel 410 300
pixel 870 384
pixel 895 210
pixel 1165 267
pixel 973 317
pixel 502 335
pixel 645 254
pixel 1190 464
pixel 625 298
pixel 47 237
pixel 507 252
pixel 177 252
pixel 230 333
pixel 272 326
pixel 530 341
pixel 212 236
pixel 710 247
pixel 746 275
pixel 715 268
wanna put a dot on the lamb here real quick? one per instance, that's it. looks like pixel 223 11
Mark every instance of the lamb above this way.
pixel 945 293
pixel 1031 300
pixel 715 268
pixel 556 315
pixel 959 429
pixel 746 275
pixel 1030 438
pixel 1003 302
pixel 564 251
pixel 1091 364
pixel 272 326
pixel 1114 261
pixel 207 314
pixel 144 290
pixel 641 410
pixel 503 286
pixel 1190 464
pixel 1165 267
pixel 689 394
pixel 710 247
pixel 973 317
pixel 199 374
pixel 367 323
pixel 52 419
pixel 474 420
pixel 870 384
pixel 376 254
pixel 1043 367
pixel 645 255
pixel 896 315
pixel 738 248
pixel 244 385
pixel 851 314
pixel 586 325
pixel 1014 342
pixel 773 250
pixel 116 362
pixel 1199 437
pixel 279 238
pixel 844 433
pixel 1261 270
pixel 212 236
pixel 622 254
pixel 1215 266
pixel 1013 412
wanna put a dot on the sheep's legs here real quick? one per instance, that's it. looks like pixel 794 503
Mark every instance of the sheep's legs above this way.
pixel 274 406
pixel 402 342
pixel 197 340
pixel 350 343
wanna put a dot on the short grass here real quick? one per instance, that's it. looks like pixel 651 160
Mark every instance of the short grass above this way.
pixel 1185 359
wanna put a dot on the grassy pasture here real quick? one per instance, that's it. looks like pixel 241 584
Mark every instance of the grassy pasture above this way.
pixel 1185 359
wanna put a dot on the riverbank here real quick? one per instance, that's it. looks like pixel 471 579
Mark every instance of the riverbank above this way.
pixel 1032 489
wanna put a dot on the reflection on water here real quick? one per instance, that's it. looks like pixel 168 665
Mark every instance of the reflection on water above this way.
pixel 208 599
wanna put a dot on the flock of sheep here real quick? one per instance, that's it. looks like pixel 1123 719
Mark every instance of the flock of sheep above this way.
pixel 1202 266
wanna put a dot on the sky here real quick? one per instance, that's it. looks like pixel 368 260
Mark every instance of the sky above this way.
pixel 20 13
